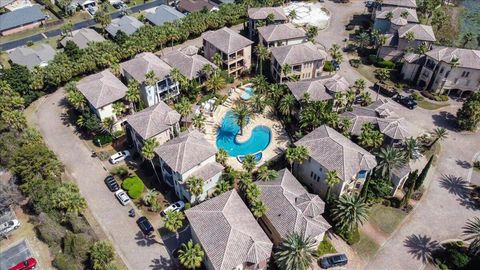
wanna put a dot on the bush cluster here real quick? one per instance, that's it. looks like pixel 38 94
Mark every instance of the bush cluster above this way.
pixel 325 247
pixel 328 67
pixel 134 186
pixel 102 139
pixel 380 62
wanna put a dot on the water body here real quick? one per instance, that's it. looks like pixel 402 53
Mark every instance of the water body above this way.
pixel 470 21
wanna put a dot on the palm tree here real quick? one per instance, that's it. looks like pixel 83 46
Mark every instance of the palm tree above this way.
pixel 258 208
pixel 467 38
pixel 217 60
pixel 410 36
pixel 389 16
pixel 332 180
pixel 118 108
pixel 366 98
pixel 382 74
pixel 249 163
pixel 359 85
pixel 133 93
pixel 262 55
pixel 207 70
pixel 389 159
pixel 195 186
pixel 412 148
pixel 77 100
pixel 296 252
pixel 440 134
pixel 348 212
pixel 292 14
pixel 116 69
pixel 150 78
pixel 296 154
pixel 404 14
pixel 222 186
pixel 148 153
pixel 150 196
pixel 191 255
pixel 287 104
pixel 350 98
pixel 258 103
pixel 183 107
pixel 177 76
pixel 108 124
pixel 312 32
pixel 242 114
pixel 286 70
pixel 335 53
pixel 363 40
pixel 221 156
pixel 265 174
pixel 198 121
pixel 173 220
pixel 472 232
pixel 215 83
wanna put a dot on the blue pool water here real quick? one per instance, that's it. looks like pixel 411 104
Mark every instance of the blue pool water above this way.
pixel 247 94
pixel 226 137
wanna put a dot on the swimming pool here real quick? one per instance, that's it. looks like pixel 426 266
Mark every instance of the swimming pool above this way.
pixel 247 94
pixel 227 133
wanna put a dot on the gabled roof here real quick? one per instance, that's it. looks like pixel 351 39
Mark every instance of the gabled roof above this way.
pixel 397 12
pixel 143 63
pixel 228 232
pixel 126 24
pixel 297 54
pixel 162 14
pixel 226 40
pixel 318 90
pixel 421 31
pixel 400 3
pixel 370 114
pixel 291 208
pixel 83 37
pixel 20 17
pixel 276 32
pixel 189 65
pixel 195 5
pixel 467 58
pixel 262 13
pixel 102 88
pixel 393 128
pixel 32 56
pixel 335 152
pixel 153 120
pixel 178 155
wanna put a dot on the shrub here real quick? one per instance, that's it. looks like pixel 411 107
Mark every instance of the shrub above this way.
pixel 78 224
pixel 455 259
pixel 441 98
pixel 325 247
pixel 134 186
pixel 120 171
pixel 355 63
pixel 65 262
pixel 328 67
pixel 372 59
pixel 385 64
pixel 428 95
pixel 77 245
pixel 50 231
pixel 416 96
pixel 102 139
pixel 350 237
pixel 101 255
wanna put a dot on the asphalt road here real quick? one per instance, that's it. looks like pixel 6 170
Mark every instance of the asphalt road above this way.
pixel 56 32
pixel 14 255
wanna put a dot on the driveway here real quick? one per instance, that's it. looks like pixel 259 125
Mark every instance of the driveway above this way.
pixel 137 251
pixel 15 254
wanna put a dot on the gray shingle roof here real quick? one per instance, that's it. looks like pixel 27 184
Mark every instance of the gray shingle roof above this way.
pixel 336 152
pixel 226 40
pixel 153 120
pixel 276 32
pixel 467 58
pixel 393 128
pixel 228 232
pixel 421 31
pixel 21 16
pixel 163 14
pixel 262 13
pixel 177 153
pixel 297 54
pixel 83 37
pixel 6 2
pixel 397 11
pixel 401 3
pixel 189 65
pixel 102 88
pixel 126 24
pixel 370 114
pixel 208 170
pixel 322 89
pixel 291 208
pixel 32 56
pixel 195 5
pixel 143 63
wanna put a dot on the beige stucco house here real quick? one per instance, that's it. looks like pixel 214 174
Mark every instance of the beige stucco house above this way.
pixel 260 14
pixel 276 35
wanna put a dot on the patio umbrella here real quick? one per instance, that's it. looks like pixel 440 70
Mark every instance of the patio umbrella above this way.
pixel 337 84
pixel 393 128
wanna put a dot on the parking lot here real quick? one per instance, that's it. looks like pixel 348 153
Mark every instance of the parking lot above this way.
pixel 14 254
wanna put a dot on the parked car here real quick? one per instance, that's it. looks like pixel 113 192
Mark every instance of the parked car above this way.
pixel 385 90
pixel 119 156
pixel 92 10
pixel 122 196
pixel 408 102
pixel 120 5
pixel 145 225
pixel 350 27
pixel 111 183
pixel 333 261
pixel 9 226
pixel 178 206
pixel 28 264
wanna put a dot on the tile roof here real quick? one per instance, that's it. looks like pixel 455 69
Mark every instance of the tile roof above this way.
pixel 318 90
pixel 262 13
pixel 162 14
pixel 401 3
pixel 208 170
pixel 228 232
pixel 393 128
pixel 370 114
pixel 177 153
pixel 102 88
pixel 21 16
pixel 226 40
pixel 153 120
pixel 189 65
pixel 83 37
pixel 126 24
pixel 291 208
pixel 467 58
pixel 336 152
pixel 397 12
pixel 195 5
pixel 32 56
pixel 276 32
pixel 143 63
pixel 421 31
pixel 297 54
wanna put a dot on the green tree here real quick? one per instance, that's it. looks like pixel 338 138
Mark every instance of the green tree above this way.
pixel 118 108
pixel 287 104
pixel 249 163
pixel 215 83
pixel 265 174
pixel 148 153
pixel 359 85
pixel 76 100
pixel 382 74
pixel 191 255
pixel 262 55
pixel 258 103
pixel 286 70
pixel 101 254
pixel 348 212
pixel 150 197
pixel 389 159
pixel 439 134
pixel 102 17
pixel 108 124
pixel 389 16
pixel 467 38
pixel 173 220
pixel 332 180
pixel 363 40
pixel 258 208
pixel 312 32
pixel 184 107
pixel 221 156
pixel 195 186
pixel 370 138
pixel 296 252
pixel 67 197
pixel 412 179
pixel 411 148
pixel 198 121
pixel 335 53
pixel 292 14
pixel 423 174
pixel 471 231
pixel 366 98
pixel 296 154
pixel 133 94
pixel 242 115
pixel 222 186
pixel 217 60
pixel 468 117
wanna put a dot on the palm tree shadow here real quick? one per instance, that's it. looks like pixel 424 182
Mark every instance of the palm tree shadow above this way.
pixel 420 247
pixel 455 185
pixel 145 240
pixel 161 263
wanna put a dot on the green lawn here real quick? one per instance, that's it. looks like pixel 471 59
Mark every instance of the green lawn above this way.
pixel 367 72
pixel 366 247
pixel 385 218
pixel 430 106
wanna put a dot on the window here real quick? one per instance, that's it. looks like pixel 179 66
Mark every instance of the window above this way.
pixel 456 80
pixel 465 74
pixel 441 70
pixel 446 74
pixel 311 174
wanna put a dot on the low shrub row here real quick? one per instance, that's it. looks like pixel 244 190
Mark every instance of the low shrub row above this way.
pixel 434 96
pixel 380 62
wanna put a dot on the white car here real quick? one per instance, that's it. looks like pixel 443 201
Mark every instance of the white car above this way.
pixel 9 226
pixel 178 206
pixel 119 156
pixel 122 197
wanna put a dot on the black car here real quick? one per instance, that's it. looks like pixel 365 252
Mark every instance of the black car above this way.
pixel 111 183
pixel 333 261
pixel 145 225
pixel 408 102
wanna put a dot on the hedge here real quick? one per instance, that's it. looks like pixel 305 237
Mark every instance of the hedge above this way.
pixel 102 139
pixel 380 62
pixel 134 186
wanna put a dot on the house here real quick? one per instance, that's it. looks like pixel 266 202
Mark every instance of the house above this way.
pixel 30 57
pixel 291 208
pixel 229 234
pixel 126 24
pixel 102 90
pixel 276 35
pixel 444 69
pixel 400 16
pixel 235 50
pixel 82 4
pixel 188 62
pixel 83 37
pixel 189 6
pixel 158 121
pixel 331 151
pixel 11 5
pixel 162 14
pixel 319 89
pixel 189 154
pixel 399 177
pixel 306 61
pixel 260 14
pixel 400 3
pixel 137 68
pixel 21 19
